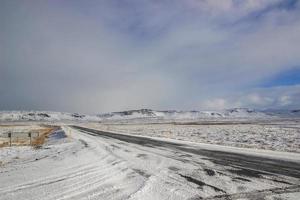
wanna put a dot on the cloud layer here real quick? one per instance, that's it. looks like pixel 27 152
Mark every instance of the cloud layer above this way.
pixel 98 56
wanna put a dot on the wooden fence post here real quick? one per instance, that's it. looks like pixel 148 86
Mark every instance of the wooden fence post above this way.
pixel 29 135
pixel 9 135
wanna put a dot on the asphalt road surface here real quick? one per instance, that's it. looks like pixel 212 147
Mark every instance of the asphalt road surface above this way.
pixel 216 174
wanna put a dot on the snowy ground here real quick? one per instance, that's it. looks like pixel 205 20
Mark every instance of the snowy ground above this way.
pixel 88 164
pixel 273 135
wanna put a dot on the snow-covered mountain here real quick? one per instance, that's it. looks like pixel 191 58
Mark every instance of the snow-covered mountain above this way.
pixel 173 114
pixel 144 114
pixel 44 116
pixel 283 113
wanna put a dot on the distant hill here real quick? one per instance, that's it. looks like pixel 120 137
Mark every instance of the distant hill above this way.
pixel 239 113
pixel 173 114
pixel 283 113
pixel 44 116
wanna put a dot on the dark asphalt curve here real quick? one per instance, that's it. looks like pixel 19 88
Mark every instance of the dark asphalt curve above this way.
pixel 250 164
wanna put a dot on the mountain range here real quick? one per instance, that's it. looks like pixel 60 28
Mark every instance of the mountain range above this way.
pixel 145 114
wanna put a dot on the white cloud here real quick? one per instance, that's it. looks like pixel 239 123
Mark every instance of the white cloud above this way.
pixel 230 9
pixel 215 104
pixel 283 97
pixel 285 100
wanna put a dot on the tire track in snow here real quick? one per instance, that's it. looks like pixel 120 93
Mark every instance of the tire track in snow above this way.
pixel 271 172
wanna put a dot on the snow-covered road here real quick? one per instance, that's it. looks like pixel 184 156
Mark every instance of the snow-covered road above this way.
pixel 93 164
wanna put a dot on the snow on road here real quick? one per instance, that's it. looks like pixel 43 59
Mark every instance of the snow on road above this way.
pixel 88 165
pixel 278 136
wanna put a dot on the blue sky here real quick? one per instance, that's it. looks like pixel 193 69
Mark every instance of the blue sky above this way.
pixel 109 55
pixel 284 78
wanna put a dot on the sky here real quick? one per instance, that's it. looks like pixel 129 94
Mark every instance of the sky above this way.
pixel 110 55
